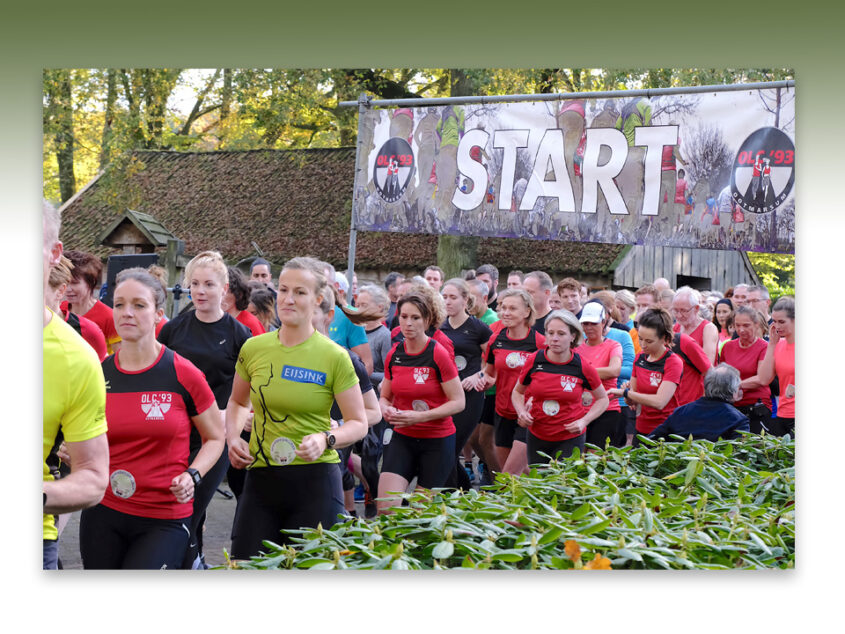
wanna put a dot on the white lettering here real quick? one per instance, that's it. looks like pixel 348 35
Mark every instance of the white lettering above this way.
pixel 551 149
pixel 508 140
pixel 596 175
pixel 654 138
pixel 472 169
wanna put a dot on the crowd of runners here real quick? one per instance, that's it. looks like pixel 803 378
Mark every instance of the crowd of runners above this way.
pixel 307 395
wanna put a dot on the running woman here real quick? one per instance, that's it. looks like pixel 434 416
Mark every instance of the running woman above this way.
pixel 419 394
pixel 746 353
pixel 507 352
pixel 548 394
pixel 210 339
pixel 290 378
pixel 780 361
pixel 154 397
pixel 469 336
pixel 656 375
pixel 605 356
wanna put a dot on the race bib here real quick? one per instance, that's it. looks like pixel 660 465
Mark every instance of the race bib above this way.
pixel 420 406
pixel 790 391
pixel 122 484
pixel 283 450
pixel 460 362
pixel 551 407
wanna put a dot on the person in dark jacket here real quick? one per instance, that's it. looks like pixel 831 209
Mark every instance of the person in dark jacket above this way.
pixel 713 416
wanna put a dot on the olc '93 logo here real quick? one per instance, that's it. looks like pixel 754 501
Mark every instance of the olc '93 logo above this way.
pixel 394 169
pixel 764 171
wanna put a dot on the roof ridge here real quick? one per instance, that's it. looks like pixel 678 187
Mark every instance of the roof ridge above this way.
pixel 274 150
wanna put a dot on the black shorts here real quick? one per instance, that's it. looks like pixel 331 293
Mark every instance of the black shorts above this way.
pixel 275 498
pixel 535 445
pixel 629 416
pixel 429 459
pixel 507 431
pixel 609 425
pixel 347 478
pixel 466 420
pixel 111 540
pixel 780 426
pixel 759 417
pixel 488 411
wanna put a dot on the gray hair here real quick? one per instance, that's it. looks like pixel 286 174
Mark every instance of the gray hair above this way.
pixel 480 285
pixel 52 222
pixel 542 278
pixel 377 294
pixel 570 320
pixel 722 382
pixel 764 292
pixel 693 295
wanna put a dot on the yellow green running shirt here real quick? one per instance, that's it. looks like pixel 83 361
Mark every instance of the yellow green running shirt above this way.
pixel 292 390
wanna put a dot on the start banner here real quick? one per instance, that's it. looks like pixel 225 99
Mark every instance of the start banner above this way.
pixel 710 170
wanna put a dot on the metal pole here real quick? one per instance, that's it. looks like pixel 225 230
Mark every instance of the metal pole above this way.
pixel 605 94
pixel 363 105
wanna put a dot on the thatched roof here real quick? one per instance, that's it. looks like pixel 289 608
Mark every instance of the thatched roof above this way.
pixel 289 202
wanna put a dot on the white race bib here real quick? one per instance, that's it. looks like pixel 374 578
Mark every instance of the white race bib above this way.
pixel 283 450
pixel 551 407
pixel 122 484
pixel 460 362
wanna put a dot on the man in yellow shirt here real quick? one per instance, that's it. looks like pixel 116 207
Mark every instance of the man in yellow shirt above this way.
pixel 74 406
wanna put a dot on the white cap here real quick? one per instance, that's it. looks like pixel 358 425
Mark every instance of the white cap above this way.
pixel 341 281
pixel 592 313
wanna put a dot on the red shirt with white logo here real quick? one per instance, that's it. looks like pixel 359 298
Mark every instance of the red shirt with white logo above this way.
pixel 649 376
pixel 556 389
pixel 149 412
pixel 415 380
pixel 508 357
pixel 599 357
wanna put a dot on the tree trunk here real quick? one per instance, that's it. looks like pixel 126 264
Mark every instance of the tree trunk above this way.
pixel 226 96
pixel 455 253
pixel 60 104
pixel 108 132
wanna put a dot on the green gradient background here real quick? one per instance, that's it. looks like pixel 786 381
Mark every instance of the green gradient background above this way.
pixel 524 34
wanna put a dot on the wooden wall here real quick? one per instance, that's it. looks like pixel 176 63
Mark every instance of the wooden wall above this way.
pixel 644 264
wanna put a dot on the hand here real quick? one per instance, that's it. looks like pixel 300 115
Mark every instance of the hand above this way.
pixel 388 413
pixel 239 455
pixel 182 486
pixel 312 446
pixel 576 426
pixel 62 453
pixel 774 337
pixel 525 419
pixel 470 383
pixel 406 417
pixel 615 391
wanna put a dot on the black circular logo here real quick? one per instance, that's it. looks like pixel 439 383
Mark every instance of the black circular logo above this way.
pixel 764 171
pixel 394 169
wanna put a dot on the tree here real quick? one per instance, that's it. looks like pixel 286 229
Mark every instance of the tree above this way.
pixel 776 271
pixel 58 126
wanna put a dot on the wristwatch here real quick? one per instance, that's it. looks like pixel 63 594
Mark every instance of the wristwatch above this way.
pixel 330 439
pixel 195 476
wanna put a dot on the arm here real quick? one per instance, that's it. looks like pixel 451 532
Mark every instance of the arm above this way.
pixel 363 351
pixel 210 426
pixel 237 412
pixel 613 369
pixel 710 339
pixel 755 381
pixel 766 367
pixel 385 401
pixel 88 479
pixel 665 391
pixel 354 427
pixel 523 408
pixel 600 403
pixel 487 378
pixel 371 408
pixel 455 403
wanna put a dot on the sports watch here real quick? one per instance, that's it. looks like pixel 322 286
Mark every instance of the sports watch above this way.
pixel 330 439
pixel 195 476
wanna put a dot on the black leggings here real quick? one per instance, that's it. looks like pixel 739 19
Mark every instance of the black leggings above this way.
pixel 202 498
pixel 609 425
pixel 111 540
pixel 535 445
pixel 275 498
pixel 465 423
pixel 759 417
pixel 235 477
pixel 779 426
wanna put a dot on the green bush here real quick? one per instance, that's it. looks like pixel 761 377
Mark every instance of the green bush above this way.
pixel 671 505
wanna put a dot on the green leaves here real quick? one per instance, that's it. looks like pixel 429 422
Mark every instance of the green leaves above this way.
pixel 674 505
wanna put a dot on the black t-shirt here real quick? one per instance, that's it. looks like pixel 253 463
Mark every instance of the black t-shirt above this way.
pixel 213 348
pixel 363 381
pixel 467 339
pixel 494 304
pixel 540 323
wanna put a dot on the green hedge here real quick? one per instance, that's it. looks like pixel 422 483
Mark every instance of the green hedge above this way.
pixel 672 505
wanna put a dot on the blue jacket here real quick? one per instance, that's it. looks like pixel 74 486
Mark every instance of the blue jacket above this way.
pixel 705 419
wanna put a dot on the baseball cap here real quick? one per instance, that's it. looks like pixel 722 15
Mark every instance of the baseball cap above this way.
pixel 592 313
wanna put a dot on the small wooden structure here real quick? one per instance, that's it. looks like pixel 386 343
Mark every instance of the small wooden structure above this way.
pixel 136 232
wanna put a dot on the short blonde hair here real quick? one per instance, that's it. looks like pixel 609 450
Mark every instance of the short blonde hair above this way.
pixel 207 259
pixel 526 298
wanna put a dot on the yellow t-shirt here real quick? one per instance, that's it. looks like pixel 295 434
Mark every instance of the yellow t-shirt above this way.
pixel 74 394
pixel 292 391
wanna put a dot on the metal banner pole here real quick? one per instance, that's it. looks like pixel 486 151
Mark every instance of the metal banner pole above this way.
pixel 363 106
